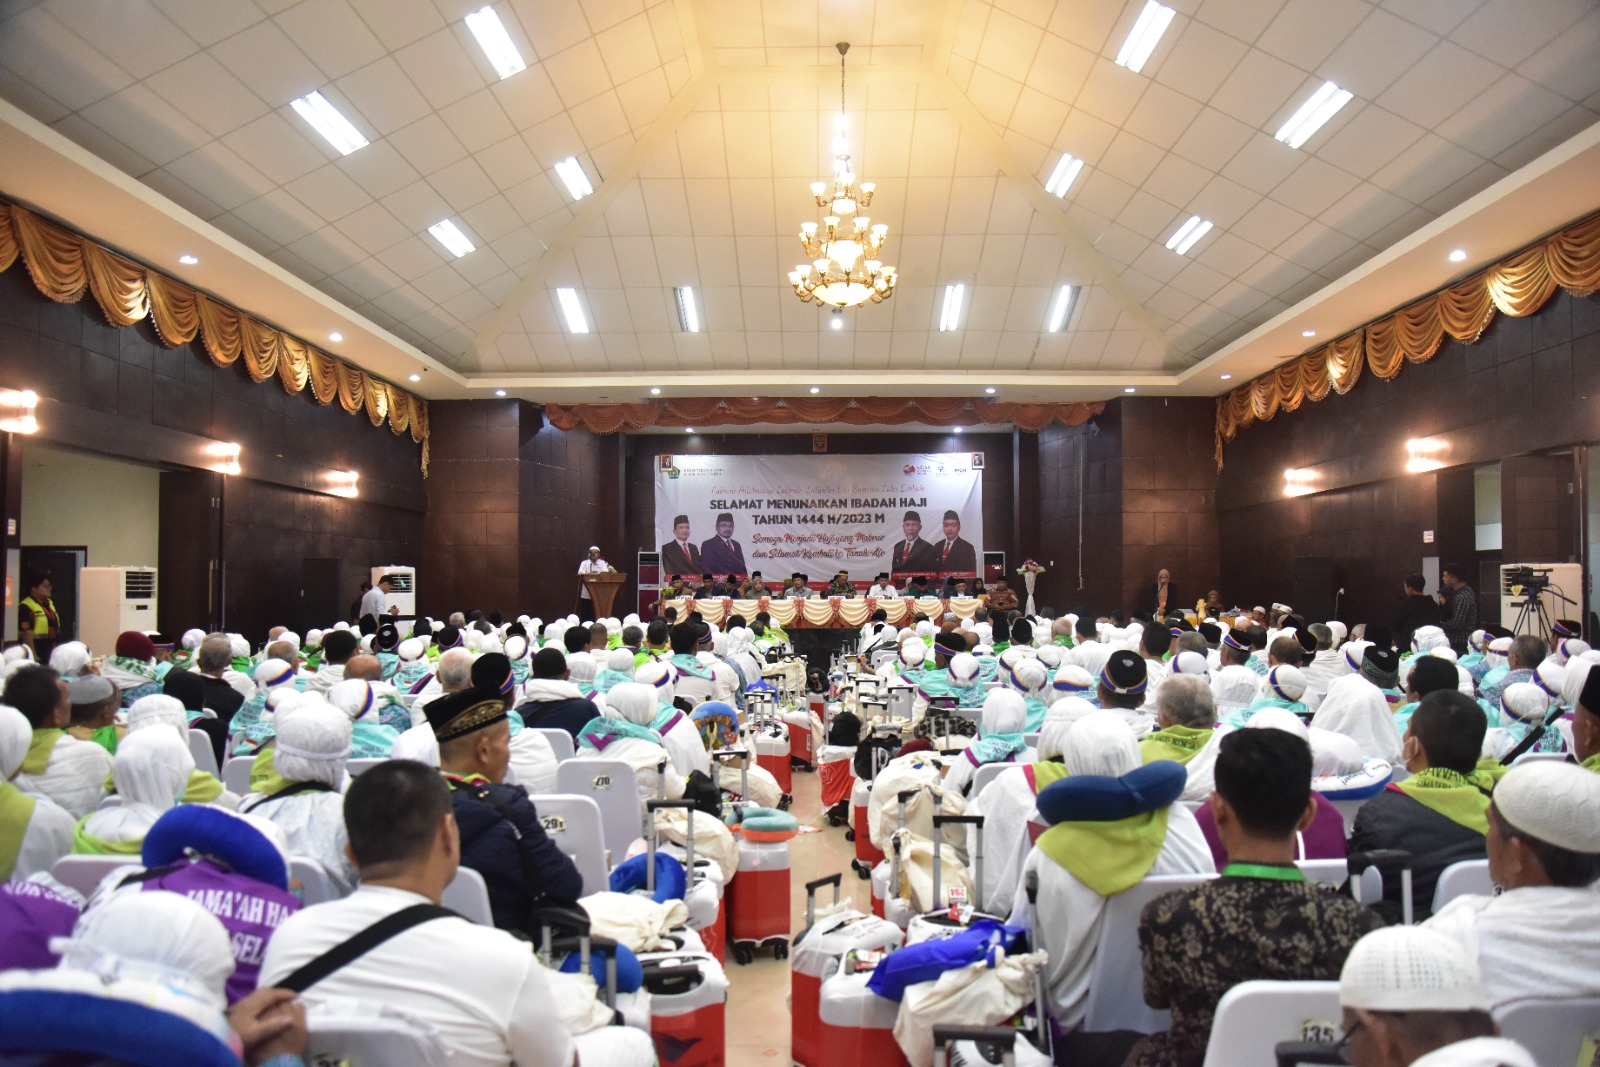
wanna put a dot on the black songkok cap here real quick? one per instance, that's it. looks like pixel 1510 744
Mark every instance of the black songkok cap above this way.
pixel 1381 665
pixel 1125 672
pixel 492 670
pixel 459 714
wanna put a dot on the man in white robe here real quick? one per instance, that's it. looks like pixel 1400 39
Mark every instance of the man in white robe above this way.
pixel 34 830
pixel 1357 708
pixel 57 765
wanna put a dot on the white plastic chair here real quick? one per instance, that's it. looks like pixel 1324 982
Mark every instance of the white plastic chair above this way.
pixel 236 774
pixel 1253 1017
pixel 1536 757
pixel 1348 809
pixel 357 767
pixel 1324 872
pixel 560 742
pixel 1116 977
pixel 1466 878
pixel 367 1035
pixel 985 774
pixel 468 895
pixel 205 757
pixel 315 885
pixel 614 788
pixel 573 823
pixel 1553 1030
pixel 85 873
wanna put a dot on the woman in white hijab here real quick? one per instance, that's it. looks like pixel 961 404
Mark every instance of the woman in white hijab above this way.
pixel 999 739
pixel 1098 744
pixel 623 733
pixel 741 652
pixel 299 784
pixel 151 770
pixel 1357 709
pixel 69 658
pixel 158 709
pixel 34 830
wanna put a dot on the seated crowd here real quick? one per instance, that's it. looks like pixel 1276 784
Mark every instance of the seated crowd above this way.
pixel 1228 746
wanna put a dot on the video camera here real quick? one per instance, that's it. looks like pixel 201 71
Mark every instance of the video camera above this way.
pixel 1525 581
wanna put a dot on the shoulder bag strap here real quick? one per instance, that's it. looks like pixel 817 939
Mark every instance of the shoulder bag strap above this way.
pixel 349 951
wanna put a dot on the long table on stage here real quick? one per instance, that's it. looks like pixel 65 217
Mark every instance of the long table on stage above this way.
pixel 826 613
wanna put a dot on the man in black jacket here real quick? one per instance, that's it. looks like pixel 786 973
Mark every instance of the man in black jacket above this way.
pixel 501 836
pixel 1415 611
pixel 554 703
pixel 1439 814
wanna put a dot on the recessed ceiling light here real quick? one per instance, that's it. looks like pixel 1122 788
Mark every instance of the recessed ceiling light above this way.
pixel 989 389
pixel 688 314
pixel 655 390
pixel 1129 389
pixel 816 389
pixel 1308 333
pixel 1147 30
pixel 1458 255
pixel 1061 310
pixel 1187 234
pixel 416 377
pixel 572 176
pixel 499 392
pixel 838 322
pixel 188 260
pixel 957 429
pixel 688 429
pixel 1310 116
pixel 573 311
pixel 1064 175
pixel 1225 377
pixel 328 121
pixel 950 313
pixel 336 336
pixel 495 42
pixel 449 234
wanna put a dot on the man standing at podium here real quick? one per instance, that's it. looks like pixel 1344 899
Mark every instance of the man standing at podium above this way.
pixel 593 565
pixel 722 554
pixel 680 555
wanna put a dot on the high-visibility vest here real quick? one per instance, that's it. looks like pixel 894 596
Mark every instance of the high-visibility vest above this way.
pixel 41 617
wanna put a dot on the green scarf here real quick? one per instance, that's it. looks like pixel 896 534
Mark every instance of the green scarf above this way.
pixel 1046 772
pixel 1063 642
pixel 264 776
pixel 1108 857
pixel 16 811
pixel 105 737
pixel 1592 763
pixel 1180 744
pixel 84 844
pixel 137 666
pixel 1456 797
pixel 40 749
pixel 202 788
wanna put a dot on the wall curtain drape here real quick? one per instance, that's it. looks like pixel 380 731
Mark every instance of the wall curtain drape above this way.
pixel 856 411
pixel 64 264
pixel 1519 285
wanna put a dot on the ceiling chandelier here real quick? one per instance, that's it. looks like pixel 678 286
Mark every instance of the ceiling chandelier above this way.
pixel 845 269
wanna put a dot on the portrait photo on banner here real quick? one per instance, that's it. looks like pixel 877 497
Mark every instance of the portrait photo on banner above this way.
pixel 906 514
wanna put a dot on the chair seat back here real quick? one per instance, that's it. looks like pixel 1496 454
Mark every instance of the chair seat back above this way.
pixel 468 896
pixel 1553 1030
pixel 85 873
pixel 613 786
pixel 986 774
pixel 369 1036
pixel 1466 878
pixel 314 885
pixel 573 823
pixel 357 767
pixel 205 757
pixel 1116 977
pixel 236 774
pixel 1253 1017
pixel 1324 872
pixel 560 742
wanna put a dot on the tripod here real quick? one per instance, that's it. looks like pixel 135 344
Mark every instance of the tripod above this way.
pixel 1534 618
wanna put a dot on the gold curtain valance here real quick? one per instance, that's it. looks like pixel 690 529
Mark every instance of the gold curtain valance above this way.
pixel 64 264
pixel 855 411
pixel 1519 285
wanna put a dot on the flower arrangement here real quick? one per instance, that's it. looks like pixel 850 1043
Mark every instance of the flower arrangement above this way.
pixel 1030 566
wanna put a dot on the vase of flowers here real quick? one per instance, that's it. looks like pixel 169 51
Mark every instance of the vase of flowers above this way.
pixel 1030 571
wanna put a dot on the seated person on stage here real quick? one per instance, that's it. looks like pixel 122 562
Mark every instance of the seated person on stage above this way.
pixel 840 585
pixel 500 834
pixel 1440 813
pixel 917 586
pixel 1001 597
pixel 1410 995
pixel 797 587
pixel 883 588
pixel 1185 718
pixel 678 732
pixel 1330 754
pixel 695 680
pixel 150 770
pixel 1261 919
pixel 70 772
pixel 296 783
pixel 1081 863
pixel 35 831
pixel 1539 935
pixel 550 700
pixel 621 730
pixel 234 866
pixel 495 1004
pixel 753 587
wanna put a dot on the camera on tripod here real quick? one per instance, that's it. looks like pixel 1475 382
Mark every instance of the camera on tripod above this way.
pixel 1525 581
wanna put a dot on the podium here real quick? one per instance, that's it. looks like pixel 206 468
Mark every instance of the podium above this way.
pixel 603 590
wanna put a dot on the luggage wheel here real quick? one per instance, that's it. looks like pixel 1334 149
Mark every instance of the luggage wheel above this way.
pixel 863 870
pixel 780 950
pixel 743 954
pixel 850 834
pixel 784 801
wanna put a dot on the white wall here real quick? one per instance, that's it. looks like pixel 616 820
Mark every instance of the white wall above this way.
pixel 70 498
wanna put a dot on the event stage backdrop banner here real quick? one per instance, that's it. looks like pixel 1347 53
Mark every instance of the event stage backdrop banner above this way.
pixel 819 514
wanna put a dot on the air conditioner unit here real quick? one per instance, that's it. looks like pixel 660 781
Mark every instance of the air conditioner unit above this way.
pixel 112 600
pixel 1565 579
pixel 403 593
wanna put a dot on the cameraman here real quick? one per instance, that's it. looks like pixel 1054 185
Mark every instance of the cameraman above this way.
pixel 1460 607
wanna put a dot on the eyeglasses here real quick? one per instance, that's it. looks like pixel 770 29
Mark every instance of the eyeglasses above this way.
pixel 1343 1046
